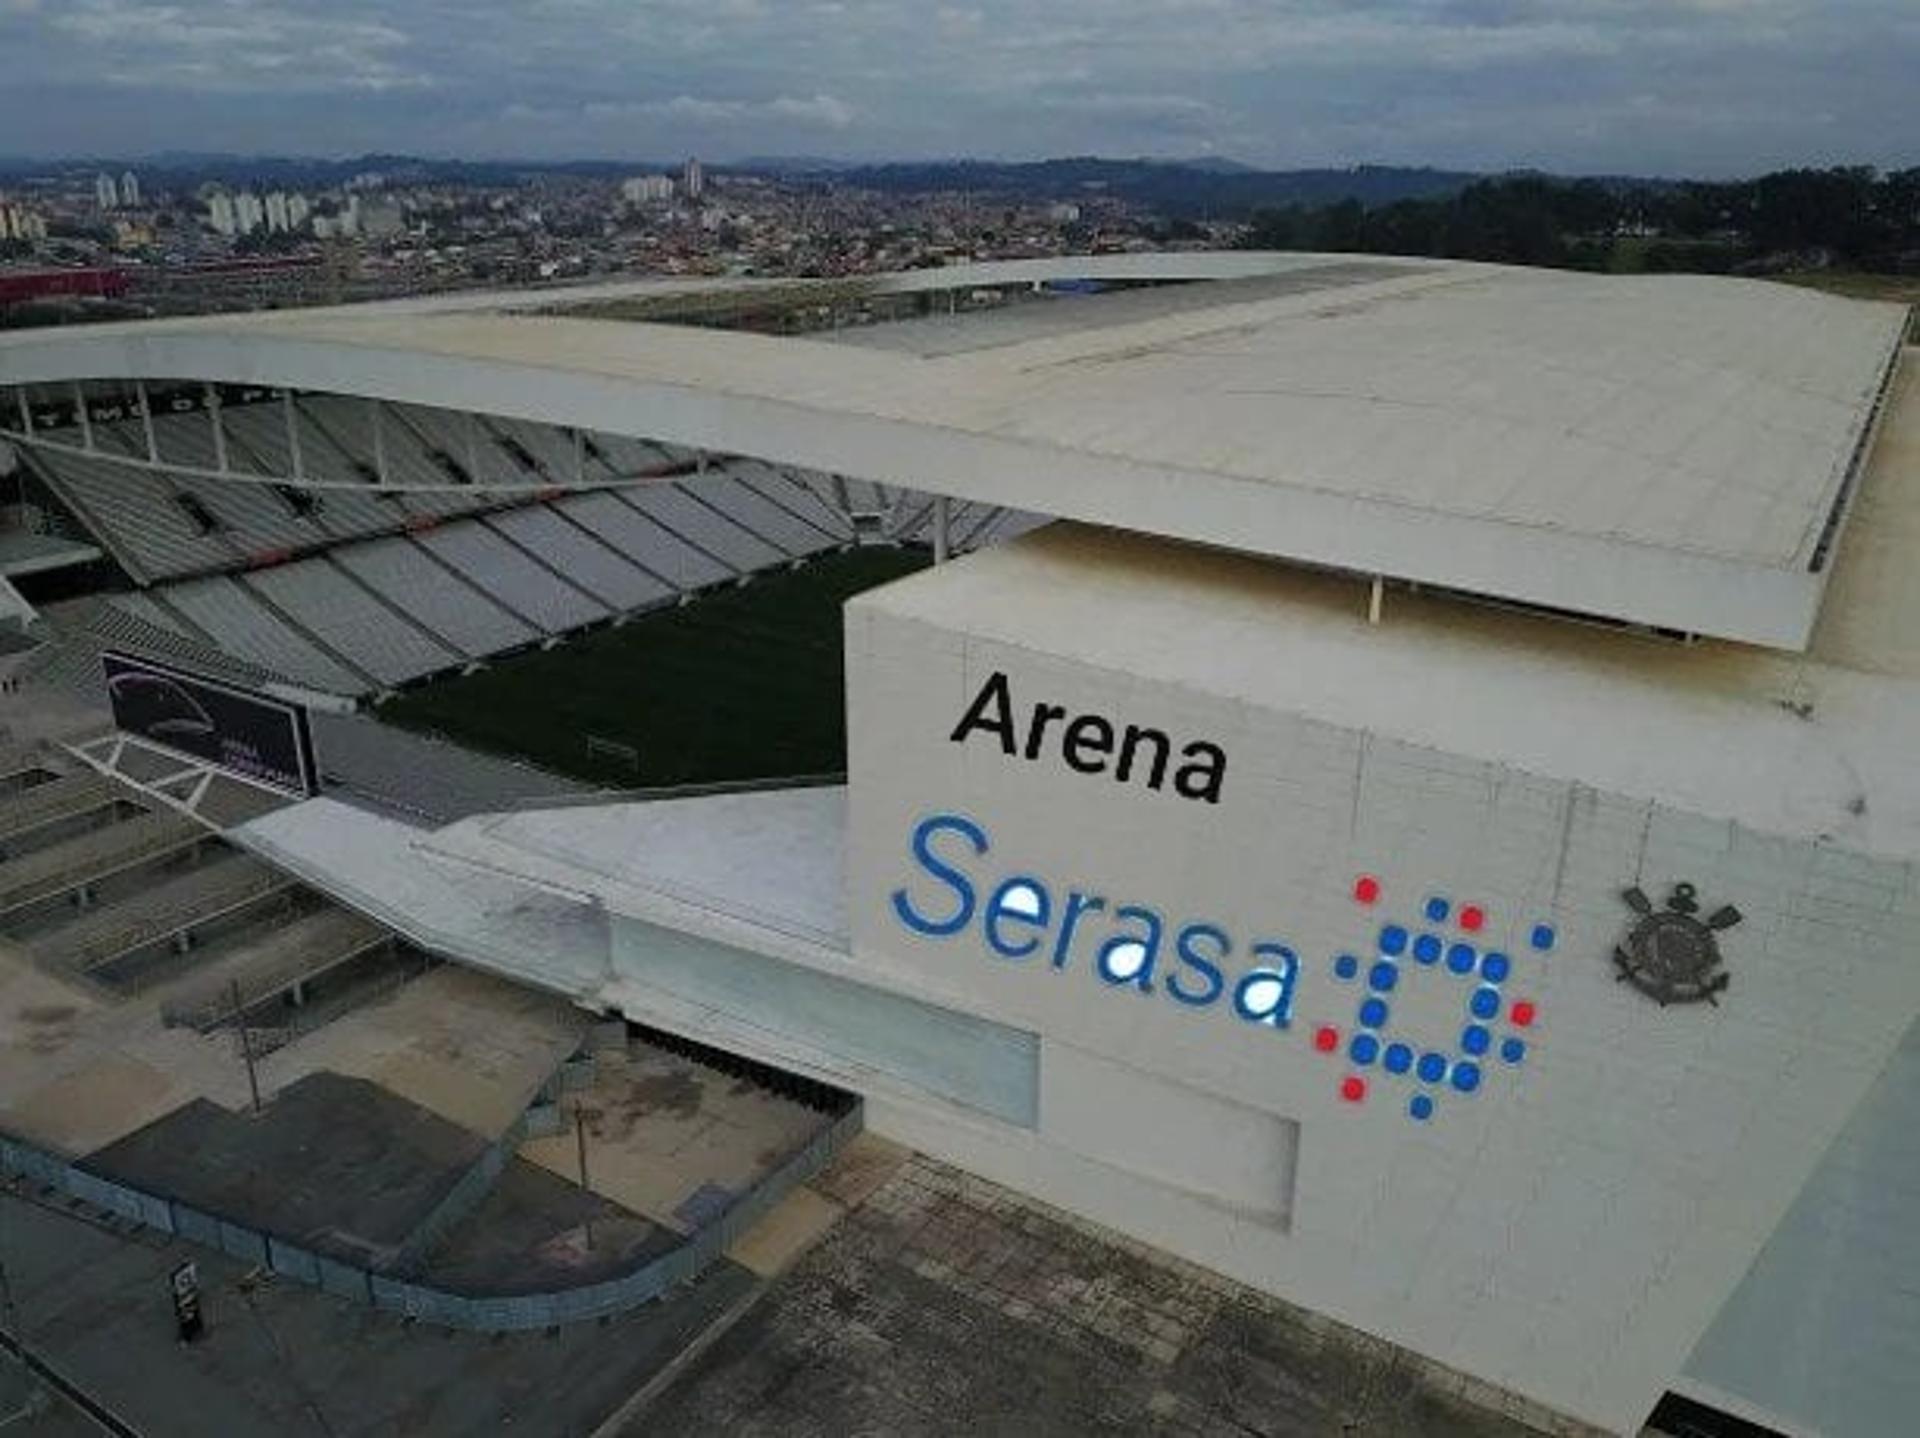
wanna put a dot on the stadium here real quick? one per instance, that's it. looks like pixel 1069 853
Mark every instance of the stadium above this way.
pixel 1390 780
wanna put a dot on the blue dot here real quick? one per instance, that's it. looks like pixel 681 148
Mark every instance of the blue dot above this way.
pixel 1484 1004
pixel 1426 948
pixel 1373 1013
pixel 1494 968
pixel 1381 977
pixel 1474 1039
pixel 1420 1108
pixel 1364 1049
pixel 1437 909
pixel 1466 1076
pixel 1461 958
pixel 1346 966
pixel 1393 940
pixel 1433 1068
pixel 1512 1050
pixel 1399 1058
pixel 1542 938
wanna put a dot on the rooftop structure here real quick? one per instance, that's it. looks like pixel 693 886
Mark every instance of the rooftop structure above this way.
pixel 1674 452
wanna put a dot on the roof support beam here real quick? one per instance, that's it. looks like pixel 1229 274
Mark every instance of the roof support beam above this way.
pixel 80 414
pixel 219 430
pixel 293 435
pixel 146 422
pixel 379 441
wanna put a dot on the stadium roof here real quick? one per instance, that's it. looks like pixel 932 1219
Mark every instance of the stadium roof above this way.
pixel 1676 451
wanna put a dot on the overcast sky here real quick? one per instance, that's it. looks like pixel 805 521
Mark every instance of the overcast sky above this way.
pixel 1707 87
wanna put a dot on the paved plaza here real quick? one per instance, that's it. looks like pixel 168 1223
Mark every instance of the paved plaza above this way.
pixel 946 1305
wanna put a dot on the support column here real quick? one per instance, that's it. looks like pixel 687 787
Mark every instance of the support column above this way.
pixel 146 422
pixel 379 442
pixel 219 433
pixel 1376 595
pixel 942 519
pixel 80 413
pixel 293 434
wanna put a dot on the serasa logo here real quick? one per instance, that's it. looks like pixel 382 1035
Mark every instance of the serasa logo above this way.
pixel 1131 947
pixel 1023 919
pixel 1450 943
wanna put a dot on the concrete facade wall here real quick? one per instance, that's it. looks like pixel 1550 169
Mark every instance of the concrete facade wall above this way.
pixel 1566 1229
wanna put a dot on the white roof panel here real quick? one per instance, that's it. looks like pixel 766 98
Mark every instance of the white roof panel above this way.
pixel 1667 450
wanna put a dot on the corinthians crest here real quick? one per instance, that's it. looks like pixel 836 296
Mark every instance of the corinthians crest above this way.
pixel 1670 954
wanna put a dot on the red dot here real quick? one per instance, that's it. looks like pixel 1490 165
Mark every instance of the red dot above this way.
pixel 1366 888
pixel 1326 1038
pixel 1473 918
pixel 1522 1013
pixel 1353 1088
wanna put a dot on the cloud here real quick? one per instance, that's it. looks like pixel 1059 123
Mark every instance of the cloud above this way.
pixel 826 111
pixel 229 46
pixel 1652 86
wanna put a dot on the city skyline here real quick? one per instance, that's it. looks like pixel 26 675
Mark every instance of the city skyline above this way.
pixel 1706 88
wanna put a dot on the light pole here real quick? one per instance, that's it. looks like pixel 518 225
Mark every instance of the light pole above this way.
pixel 580 1115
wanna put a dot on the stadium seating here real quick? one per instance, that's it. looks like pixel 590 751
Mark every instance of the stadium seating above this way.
pixel 530 590
pixel 552 450
pixel 181 439
pixel 566 548
pixel 257 520
pixel 234 619
pixel 447 606
pixel 351 590
pixel 350 621
pixel 257 443
pixel 137 515
pixel 724 488
pixel 627 457
pixel 467 441
pixel 141 606
pixel 658 551
pixel 348 425
pixel 787 489
pixel 672 507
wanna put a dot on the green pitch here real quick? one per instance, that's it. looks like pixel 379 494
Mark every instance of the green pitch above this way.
pixel 743 683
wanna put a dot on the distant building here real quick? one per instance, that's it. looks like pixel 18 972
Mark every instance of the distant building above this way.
pixel 249 213
pixel 277 221
pixel 693 180
pixel 646 189
pixel 298 211
pixel 130 189
pixel 1063 214
pixel 220 215
pixel 106 194
pixel 19 223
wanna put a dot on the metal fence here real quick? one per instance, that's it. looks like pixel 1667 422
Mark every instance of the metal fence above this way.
pixel 417 1300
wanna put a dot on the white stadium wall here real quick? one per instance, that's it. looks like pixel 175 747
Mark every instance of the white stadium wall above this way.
pixel 1561 1214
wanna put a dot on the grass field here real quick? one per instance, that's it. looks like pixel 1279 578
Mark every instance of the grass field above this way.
pixel 746 683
